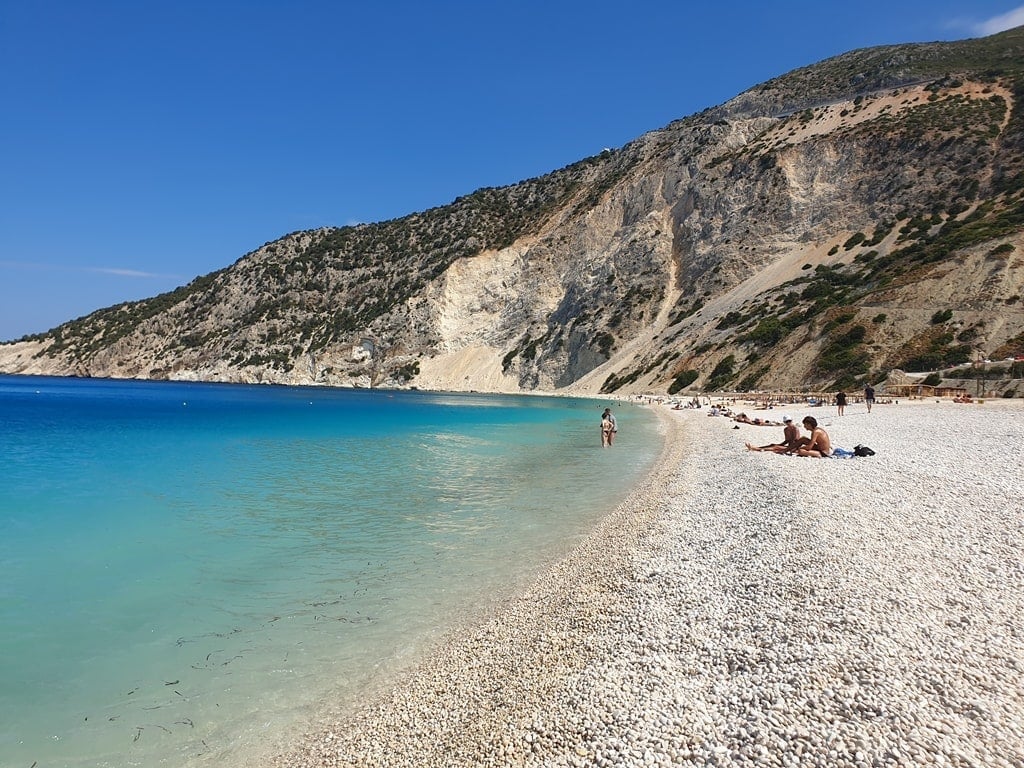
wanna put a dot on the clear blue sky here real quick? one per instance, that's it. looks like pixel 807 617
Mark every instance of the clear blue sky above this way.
pixel 145 143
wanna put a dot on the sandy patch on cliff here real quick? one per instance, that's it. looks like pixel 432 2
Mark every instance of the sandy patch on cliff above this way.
pixel 470 368
pixel 846 114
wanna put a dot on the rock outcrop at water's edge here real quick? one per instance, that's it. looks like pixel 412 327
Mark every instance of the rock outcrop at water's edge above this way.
pixel 857 215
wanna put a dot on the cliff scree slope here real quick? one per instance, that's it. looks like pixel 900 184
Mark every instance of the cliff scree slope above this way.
pixel 858 215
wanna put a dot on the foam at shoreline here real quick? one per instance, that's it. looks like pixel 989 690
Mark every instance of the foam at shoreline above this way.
pixel 750 609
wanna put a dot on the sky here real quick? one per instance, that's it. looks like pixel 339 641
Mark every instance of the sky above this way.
pixel 143 144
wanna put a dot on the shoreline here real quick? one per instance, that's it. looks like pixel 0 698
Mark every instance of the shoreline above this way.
pixel 258 628
pixel 750 609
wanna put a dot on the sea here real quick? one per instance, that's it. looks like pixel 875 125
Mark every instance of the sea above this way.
pixel 190 572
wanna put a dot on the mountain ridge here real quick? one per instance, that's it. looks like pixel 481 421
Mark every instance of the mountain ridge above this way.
pixel 807 233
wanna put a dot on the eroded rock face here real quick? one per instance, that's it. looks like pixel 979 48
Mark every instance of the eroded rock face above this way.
pixel 804 232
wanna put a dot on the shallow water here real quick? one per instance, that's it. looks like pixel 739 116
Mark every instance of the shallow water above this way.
pixel 188 568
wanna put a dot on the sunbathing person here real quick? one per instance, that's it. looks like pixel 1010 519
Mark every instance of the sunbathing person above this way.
pixel 791 439
pixel 819 446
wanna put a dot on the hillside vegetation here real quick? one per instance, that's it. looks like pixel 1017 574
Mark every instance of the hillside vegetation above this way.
pixel 862 214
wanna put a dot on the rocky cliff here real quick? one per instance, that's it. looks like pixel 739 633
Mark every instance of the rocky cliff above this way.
pixel 861 214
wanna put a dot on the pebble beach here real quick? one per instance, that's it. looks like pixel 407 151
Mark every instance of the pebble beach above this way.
pixel 749 609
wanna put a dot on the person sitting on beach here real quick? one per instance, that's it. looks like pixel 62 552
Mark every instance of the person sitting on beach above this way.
pixel 790 438
pixel 819 445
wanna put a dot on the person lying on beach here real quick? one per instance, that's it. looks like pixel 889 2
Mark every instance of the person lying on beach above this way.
pixel 744 419
pixel 790 439
pixel 819 445
pixel 757 421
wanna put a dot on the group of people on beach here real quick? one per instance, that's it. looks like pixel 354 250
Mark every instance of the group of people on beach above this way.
pixel 869 399
pixel 817 445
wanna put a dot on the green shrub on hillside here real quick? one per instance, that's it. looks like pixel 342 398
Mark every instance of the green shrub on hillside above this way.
pixel 768 332
pixel 844 353
pixel 750 381
pixel 941 355
pixel 855 239
pixel 722 373
pixel 682 380
pixel 408 371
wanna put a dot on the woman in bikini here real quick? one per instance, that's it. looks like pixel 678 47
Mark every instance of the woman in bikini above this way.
pixel 607 428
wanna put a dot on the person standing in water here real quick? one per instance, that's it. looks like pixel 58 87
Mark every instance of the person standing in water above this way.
pixel 606 431
pixel 614 426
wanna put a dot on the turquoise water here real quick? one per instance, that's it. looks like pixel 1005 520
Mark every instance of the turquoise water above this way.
pixel 189 570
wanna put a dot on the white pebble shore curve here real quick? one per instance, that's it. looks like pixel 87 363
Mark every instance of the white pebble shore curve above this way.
pixel 750 609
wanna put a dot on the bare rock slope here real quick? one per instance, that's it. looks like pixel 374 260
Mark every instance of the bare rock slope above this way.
pixel 861 214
